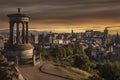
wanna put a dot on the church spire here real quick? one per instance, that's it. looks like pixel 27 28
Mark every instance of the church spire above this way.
pixel 106 33
pixel 19 9
pixel 117 40
pixel 117 34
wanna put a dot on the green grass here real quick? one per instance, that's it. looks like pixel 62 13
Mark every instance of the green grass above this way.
pixel 74 73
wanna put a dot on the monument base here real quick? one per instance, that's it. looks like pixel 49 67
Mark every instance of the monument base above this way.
pixel 20 53
pixel 20 50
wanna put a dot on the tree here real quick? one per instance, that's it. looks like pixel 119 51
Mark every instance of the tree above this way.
pixel 42 50
pixel 69 49
pixel 109 70
pixel 69 52
pixel 64 52
pixel 95 77
pixel 61 52
pixel 81 61
pixel 54 52
pixel 78 49
pixel 89 50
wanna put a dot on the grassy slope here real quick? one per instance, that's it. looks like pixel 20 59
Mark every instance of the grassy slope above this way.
pixel 74 73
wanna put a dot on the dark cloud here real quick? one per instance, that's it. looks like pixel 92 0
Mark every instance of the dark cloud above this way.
pixel 63 9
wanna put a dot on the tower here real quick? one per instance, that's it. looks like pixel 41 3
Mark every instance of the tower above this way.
pixel 117 40
pixel 72 32
pixel 19 48
pixel 106 33
pixel 18 19
pixel 105 36
pixel 50 38
pixel 117 45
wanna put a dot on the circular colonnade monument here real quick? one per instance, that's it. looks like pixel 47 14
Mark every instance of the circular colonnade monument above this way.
pixel 18 44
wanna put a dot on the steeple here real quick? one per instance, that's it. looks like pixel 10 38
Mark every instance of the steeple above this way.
pixel 106 33
pixel 117 34
pixel 117 40
pixel 106 30
pixel 72 31
pixel 19 9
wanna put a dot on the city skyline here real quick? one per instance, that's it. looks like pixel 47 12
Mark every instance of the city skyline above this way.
pixel 64 15
pixel 59 39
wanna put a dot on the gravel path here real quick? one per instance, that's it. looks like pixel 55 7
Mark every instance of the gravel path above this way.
pixel 42 71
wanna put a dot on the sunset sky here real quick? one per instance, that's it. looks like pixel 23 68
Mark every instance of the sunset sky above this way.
pixel 65 15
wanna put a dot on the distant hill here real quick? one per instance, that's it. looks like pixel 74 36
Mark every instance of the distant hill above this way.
pixel 6 31
pixel 38 32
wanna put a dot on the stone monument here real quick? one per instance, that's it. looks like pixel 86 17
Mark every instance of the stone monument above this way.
pixel 18 44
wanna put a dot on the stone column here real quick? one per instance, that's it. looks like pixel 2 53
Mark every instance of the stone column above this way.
pixel 11 32
pixel 23 33
pixel 33 60
pixel 17 61
pixel 17 34
pixel 27 32
pixel 39 56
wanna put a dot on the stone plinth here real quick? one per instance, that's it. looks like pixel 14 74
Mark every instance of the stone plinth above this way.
pixel 21 50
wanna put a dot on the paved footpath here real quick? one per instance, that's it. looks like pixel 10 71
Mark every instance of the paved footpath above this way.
pixel 42 72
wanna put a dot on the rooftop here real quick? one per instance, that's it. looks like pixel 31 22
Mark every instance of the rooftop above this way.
pixel 19 14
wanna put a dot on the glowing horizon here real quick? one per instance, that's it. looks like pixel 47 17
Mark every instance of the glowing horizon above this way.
pixel 59 28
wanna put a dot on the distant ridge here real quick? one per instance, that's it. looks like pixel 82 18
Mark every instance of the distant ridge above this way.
pixel 6 31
